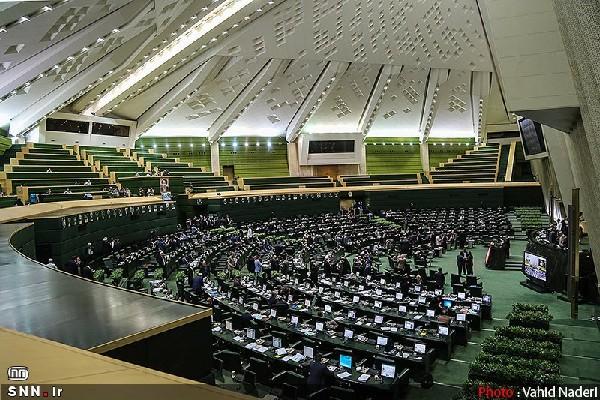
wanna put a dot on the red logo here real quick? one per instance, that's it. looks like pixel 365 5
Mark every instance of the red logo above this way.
pixel 487 392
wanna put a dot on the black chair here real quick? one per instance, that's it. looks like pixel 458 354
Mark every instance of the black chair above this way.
pixel 475 291
pixel 289 392
pixel 249 383
pixel 231 361
pixel 261 370
pixel 322 394
pixel 339 393
pixel 218 368
pixel 459 287
pixel 471 280
pixel 454 279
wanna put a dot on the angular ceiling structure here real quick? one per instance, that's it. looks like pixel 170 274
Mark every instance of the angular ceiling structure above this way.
pixel 249 67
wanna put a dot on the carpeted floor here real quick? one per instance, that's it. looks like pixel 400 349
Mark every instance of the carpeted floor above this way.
pixel 581 346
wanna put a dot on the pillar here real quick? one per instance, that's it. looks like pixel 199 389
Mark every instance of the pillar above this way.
pixel 425 157
pixel 215 161
pixel 293 161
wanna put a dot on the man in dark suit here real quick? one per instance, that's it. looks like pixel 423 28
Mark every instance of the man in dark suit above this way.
pixel 197 283
pixel 460 263
pixel 318 375
pixel 439 278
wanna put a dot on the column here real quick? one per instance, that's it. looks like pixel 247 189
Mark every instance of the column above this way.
pixel 425 157
pixel 292 156
pixel 215 162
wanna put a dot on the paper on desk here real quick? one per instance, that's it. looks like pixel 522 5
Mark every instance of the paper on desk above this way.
pixel 238 338
pixel 217 329
pixel 286 358
pixel 364 377
pixel 280 352
pixel 344 375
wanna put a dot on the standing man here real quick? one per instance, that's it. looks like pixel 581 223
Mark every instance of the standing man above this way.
pixel 258 267
pixel 469 263
pixel 460 262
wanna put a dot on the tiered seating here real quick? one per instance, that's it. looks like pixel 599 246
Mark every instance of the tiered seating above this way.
pixel 285 182
pixel 524 219
pixel 381 179
pixel 26 174
pixel 112 162
pixel 195 178
pixel 478 165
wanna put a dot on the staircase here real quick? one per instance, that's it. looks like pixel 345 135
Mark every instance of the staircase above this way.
pixel 477 165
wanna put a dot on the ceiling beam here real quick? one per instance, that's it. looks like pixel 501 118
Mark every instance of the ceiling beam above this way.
pixel 437 77
pixel 256 86
pixel 179 93
pixel 480 91
pixel 315 98
pixel 57 53
pixel 379 89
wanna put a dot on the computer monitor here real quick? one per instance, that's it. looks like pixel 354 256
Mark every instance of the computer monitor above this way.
pixel 438 292
pixel 462 295
pixel 337 295
pixel 319 326
pixel 402 308
pixel 422 299
pixel 447 303
pixel 420 348
pixel 355 299
pixel 417 288
pixel 294 319
pixel 382 341
pixel 379 319
pixel 290 298
pixel 255 306
pixel 431 313
pixel 348 334
pixel 382 281
pixel 277 343
pixel 399 296
pixel 351 314
pixel 346 283
pixel 378 304
pixel 361 287
pixel 250 333
pixel 273 313
pixel 461 317
pixel 327 308
pixel 388 370
pixel 476 306
pixel 229 325
pixel 487 299
pixel 346 361
pixel 378 292
pixel 321 290
pixel 307 303
pixel 308 352
pixel 410 325
pixel 443 330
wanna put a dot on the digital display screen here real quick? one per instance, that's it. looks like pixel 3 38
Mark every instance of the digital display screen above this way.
pixel 308 352
pixel 382 341
pixel 250 333
pixel 294 319
pixel 431 313
pixel 447 303
pixel 399 296
pixel 277 342
pixel 379 319
pixel 402 309
pixel 378 304
pixel 388 371
pixel 319 326
pixel 330 146
pixel 355 299
pixel 327 308
pixel 420 348
pixel 532 137
pixel 348 334
pixel 409 325
pixel 228 325
pixel 346 361
pixel 443 330
pixel 351 314
pixel 534 266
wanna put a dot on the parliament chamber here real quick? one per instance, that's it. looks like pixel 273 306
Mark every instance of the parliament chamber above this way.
pixel 299 199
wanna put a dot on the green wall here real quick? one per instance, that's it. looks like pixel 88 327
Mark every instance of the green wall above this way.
pixel 253 160
pixel 188 149
pixel 393 155
pixel 440 150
